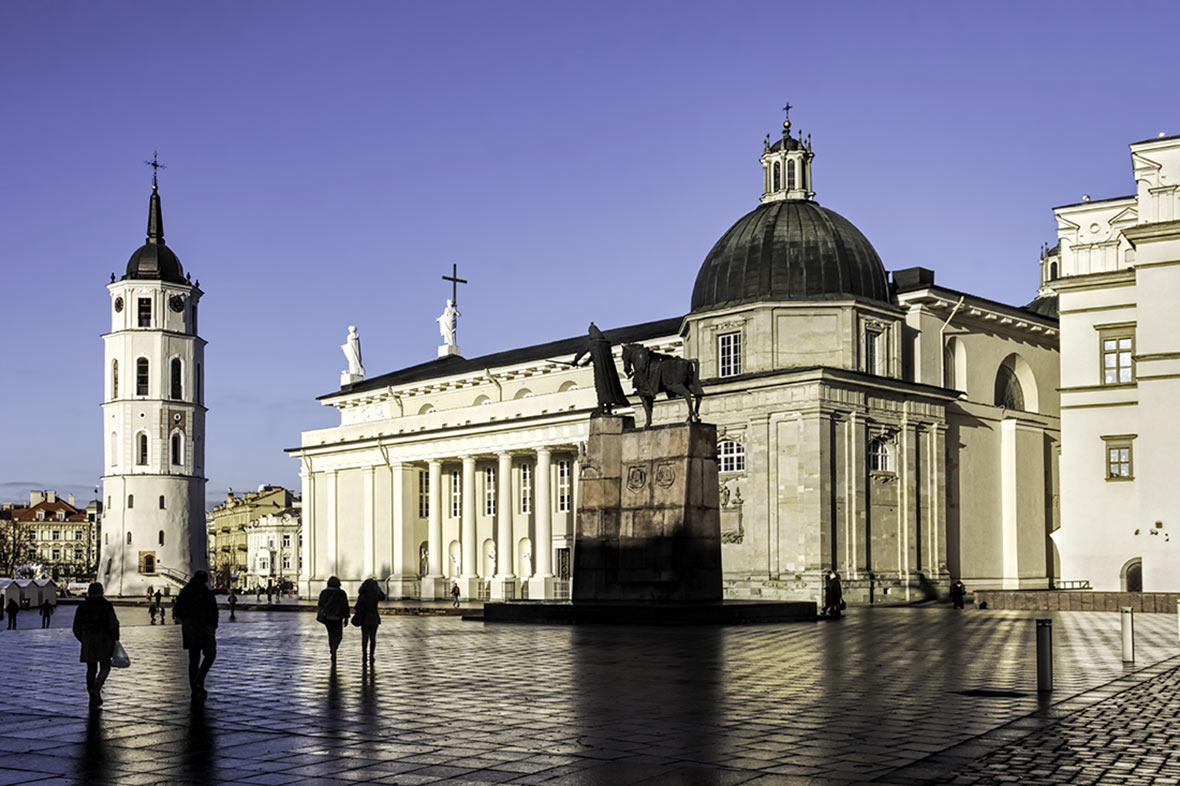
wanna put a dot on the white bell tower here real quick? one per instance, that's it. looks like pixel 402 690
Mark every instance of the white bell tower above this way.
pixel 153 414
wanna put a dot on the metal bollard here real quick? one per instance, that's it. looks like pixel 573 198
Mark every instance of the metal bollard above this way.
pixel 1044 655
pixel 1128 615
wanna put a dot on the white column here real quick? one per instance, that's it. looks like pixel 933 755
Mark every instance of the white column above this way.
pixel 404 581
pixel 504 583
pixel 308 526
pixel 434 584
pixel 369 537
pixel 330 524
pixel 469 573
pixel 504 566
pixel 541 585
pixel 543 548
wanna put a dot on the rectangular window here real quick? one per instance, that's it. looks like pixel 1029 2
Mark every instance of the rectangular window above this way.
pixel 57 534
pixel 1117 348
pixel 77 555
pixel 287 543
pixel 141 377
pixel 872 352
pixel 56 554
pixel 423 494
pixel 77 534
pixel 526 488
pixel 456 494
pixel 729 354
pixel 564 490
pixel 1119 457
pixel 489 491
pixel 286 563
pixel 145 312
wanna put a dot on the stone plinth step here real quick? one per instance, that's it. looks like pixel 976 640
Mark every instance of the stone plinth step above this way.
pixel 724 612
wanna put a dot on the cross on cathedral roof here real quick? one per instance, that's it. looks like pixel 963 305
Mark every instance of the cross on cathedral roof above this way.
pixel 155 165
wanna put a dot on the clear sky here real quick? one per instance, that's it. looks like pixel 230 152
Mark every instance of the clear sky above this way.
pixel 328 162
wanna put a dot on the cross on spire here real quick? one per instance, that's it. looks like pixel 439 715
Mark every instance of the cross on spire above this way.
pixel 455 282
pixel 787 109
pixel 155 165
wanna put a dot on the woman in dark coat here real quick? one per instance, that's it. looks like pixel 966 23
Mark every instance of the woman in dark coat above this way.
pixel 332 610
pixel 97 628
pixel 196 609
pixel 367 598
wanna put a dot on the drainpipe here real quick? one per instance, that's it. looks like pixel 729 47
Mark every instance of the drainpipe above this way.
pixel 942 337
pixel 499 388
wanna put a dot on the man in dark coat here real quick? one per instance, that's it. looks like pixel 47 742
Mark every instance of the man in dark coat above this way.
pixel 332 611
pixel 196 608
pixel 97 628
pixel 12 608
pixel 606 374
pixel 833 594
pixel 46 612
pixel 958 593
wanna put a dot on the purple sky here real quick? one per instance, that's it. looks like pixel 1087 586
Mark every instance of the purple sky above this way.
pixel 327 162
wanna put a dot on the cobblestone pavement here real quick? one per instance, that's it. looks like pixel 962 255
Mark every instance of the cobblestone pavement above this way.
pixel 877 696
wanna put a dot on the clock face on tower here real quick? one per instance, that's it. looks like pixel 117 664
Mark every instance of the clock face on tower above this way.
pixel 176 303
pixel 118 304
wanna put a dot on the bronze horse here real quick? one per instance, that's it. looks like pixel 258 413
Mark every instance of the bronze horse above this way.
pixel 652 373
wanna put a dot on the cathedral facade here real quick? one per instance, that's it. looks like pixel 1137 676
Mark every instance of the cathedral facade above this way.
pixel 896 430
pixel 153 528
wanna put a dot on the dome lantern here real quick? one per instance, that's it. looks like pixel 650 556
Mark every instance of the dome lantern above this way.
pixel 786 166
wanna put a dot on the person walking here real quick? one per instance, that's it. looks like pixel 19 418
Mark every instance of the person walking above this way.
pixel 367 616
pixel 46 612
pixel 332 611
pixel 160 599
pixel 97 628
pixel 833 595
pixel 12 608
pixel 196 608
pixel 233 605
pixel 958 593
pixel 152 610
pixel 455 595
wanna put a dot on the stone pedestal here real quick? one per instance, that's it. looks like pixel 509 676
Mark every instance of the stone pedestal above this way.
pixel 542 588
pixel 435 588
pixel 350 379
pixel 504 589
pixel 648 525
pixel 401 587
pixel 446 350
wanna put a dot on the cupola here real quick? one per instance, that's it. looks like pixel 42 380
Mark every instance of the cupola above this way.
pixel 786 165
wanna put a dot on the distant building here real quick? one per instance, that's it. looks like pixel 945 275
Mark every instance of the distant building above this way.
pixel 273 543
pixel 227 529
pixel 52 537
pixel 1116 270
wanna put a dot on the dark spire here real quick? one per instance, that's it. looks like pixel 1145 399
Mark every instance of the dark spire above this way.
pixel 155 229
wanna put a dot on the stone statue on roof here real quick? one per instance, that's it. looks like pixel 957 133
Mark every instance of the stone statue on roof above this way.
pixel 448 323
pixel 352 353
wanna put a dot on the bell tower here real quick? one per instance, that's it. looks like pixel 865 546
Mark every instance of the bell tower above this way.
pixel 153 414
pixel 786 165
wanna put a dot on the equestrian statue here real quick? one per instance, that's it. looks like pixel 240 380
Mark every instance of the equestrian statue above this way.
pixel 652 373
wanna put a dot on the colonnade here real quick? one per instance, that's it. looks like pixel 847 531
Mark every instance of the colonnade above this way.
pixel 339 510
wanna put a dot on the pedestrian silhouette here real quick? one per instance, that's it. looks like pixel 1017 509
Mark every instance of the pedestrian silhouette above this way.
pixel 46 612
pixel 152 610
pixel 958 593
pixel 833 595
pixel 332 611
pixel 233 605
pixel 160 601
pixel 97 628
pixel 367 616
pixel 196 608
pixel 455 595
pixel 12 608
